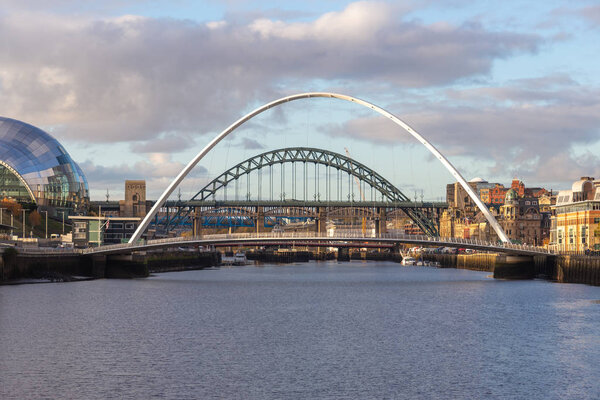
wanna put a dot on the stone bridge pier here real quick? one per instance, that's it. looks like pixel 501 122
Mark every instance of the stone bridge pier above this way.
pixel 514 267
pixel 380 221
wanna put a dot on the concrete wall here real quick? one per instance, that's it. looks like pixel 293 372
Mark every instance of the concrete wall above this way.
pixel 570 269
pixel 475 262
pixel 21 266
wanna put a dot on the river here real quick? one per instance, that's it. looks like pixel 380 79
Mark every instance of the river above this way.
pixel 358 330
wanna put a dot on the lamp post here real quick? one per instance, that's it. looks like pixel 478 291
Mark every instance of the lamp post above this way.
pixel 23 223
pixel 63 221
pixel 1 212
pixel 46 223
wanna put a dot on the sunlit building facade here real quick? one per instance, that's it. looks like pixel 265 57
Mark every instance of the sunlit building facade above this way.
pixel 576 219
pixel 35 168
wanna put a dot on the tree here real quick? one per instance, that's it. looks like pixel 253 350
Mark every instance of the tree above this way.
pixel 12 206
pixel 35 218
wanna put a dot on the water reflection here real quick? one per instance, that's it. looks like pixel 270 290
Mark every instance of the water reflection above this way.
pixel 326 330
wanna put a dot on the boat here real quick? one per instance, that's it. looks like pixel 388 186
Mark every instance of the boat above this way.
pixel 240 259
pixel 409 261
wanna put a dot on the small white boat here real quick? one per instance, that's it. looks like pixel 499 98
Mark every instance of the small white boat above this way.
pixel 240 259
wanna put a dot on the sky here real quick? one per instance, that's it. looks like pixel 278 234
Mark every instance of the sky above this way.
pixel 134 89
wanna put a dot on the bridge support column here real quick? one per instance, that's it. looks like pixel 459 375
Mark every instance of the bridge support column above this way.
pixel 259 221
pixel 514 267
pixel 380 222
pixel 98 266
pixel 343 254
pixel 197 224
pixel 321 221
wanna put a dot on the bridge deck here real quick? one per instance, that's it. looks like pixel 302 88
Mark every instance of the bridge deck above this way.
pixel 314 239
pixel 300 239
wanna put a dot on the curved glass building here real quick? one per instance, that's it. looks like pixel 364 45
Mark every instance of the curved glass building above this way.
pixel 35 168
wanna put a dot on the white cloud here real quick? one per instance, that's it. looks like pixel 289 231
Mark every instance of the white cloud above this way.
pixel 131 78
pixel 528 128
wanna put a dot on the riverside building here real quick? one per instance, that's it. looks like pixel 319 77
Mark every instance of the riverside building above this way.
pixel 576 218
pixel 36 170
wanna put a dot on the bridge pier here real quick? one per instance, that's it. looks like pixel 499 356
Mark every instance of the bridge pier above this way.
pixel 98 266
pixel 343 254
pixel 321 221
pixel 514 267
pixel 380 222
pixel 259 220
pixel 197 224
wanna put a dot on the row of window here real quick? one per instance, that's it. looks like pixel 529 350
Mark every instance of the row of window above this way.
pixel 582 236
pixel 119 225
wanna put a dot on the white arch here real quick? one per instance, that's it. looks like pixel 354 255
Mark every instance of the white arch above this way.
pixel 163 197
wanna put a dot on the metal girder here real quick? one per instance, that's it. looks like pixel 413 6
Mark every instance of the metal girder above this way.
pixel 303 154
pixel 323 157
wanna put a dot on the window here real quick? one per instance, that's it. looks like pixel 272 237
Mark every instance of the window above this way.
pixel 129 226
pixel 596 220
pixel 560 236
pixel 571 236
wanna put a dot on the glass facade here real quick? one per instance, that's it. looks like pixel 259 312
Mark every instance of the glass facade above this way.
pixel 34 167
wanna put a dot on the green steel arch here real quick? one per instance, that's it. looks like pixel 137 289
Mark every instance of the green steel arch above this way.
pixel 323 157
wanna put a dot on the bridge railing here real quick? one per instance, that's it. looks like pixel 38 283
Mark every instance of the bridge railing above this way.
pixel 417 239
pixel 46 250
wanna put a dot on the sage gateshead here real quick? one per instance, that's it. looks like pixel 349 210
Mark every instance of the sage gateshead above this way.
pixel 36 169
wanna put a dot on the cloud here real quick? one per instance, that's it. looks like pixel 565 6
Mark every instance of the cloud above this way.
pixel 251 144
pixel 592 14
pixel 158 170
pixel 165 143
pixel 530 127
pixel 133 78
pixel 374 129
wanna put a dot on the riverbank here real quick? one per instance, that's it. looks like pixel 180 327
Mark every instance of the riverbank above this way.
pixel 561 269
pixel 22 268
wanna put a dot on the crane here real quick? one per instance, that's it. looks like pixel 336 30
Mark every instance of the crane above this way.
pixel 362 195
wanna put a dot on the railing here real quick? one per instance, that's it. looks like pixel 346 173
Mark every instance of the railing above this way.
pixel 417 239
pixel 46 250
pixel 589 253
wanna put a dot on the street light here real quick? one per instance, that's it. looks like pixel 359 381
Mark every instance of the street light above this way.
pixel 23 223
pixel 63 221
pixel 46 223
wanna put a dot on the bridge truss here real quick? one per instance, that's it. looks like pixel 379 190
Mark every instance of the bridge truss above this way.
pixel 213 206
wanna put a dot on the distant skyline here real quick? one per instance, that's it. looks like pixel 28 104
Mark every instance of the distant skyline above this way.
pixel 134 89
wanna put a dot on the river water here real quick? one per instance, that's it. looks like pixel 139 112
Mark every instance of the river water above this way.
pixel 357 330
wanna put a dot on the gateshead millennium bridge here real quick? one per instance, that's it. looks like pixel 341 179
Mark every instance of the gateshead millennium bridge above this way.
pixel 384 198
pixel 421 222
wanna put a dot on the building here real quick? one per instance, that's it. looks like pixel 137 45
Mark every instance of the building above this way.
pixel 495 195
pixel 520 218
pixel 98 231
pixel 525 219
pixel 36 169
pixel 134 204
pixel 456 195
pixel 575 224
